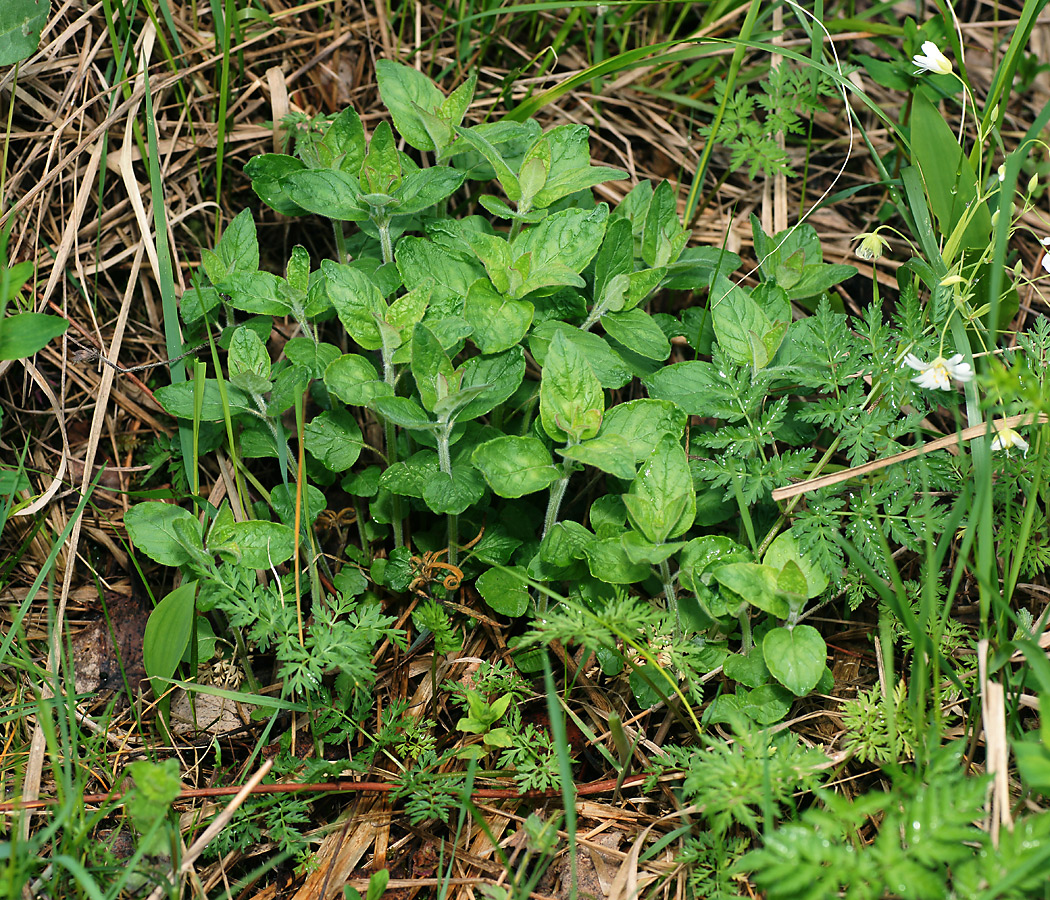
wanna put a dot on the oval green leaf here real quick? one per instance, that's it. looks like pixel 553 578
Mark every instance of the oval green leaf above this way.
pixel 167 634
pixel 757 584
pixel 515 466
pixel 795 657
pixel 151 527
pixel 23 334
pixel 505 590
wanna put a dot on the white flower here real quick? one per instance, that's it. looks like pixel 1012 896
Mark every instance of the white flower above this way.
pixel 1005 438
pixel 932 60
pixel 871 245
pixel 1046 254
pixel 937 375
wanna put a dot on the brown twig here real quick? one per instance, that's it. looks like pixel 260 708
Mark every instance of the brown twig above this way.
pixel 88 354
pixel 802 487
pixel 340 787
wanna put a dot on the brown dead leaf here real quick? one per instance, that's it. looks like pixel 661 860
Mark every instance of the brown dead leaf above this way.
pixel 424 861
pixel 100 649
pixel 207 714
pixel 594 871
pixel 605 867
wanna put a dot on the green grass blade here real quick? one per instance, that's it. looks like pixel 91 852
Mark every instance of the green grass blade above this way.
pixel 224 93
pixel 172 334
pixel 730 84
pixel 45 570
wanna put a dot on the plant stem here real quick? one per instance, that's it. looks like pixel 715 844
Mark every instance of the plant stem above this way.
pixel 747 643
pixel 554 503
pixel 593 318
pixel 390 438
pixel 443 435
pixel 550 519
pixel 359 508
pixel 340 240
pixel 385 243
pixel 671 595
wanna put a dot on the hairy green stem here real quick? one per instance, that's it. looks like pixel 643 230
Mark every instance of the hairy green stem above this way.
pixel 443 436
pixel 340 240
pixel 549 520
pixel 385 243
pixel 444 452
pixel 554 503
pixel 390 438
pixel 671 595
pixel 596 313
pixel 747 643
pixel 359 509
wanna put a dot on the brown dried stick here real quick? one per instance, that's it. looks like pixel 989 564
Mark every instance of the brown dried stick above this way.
pixel 803 487
pixel 220 822
pixel 88 354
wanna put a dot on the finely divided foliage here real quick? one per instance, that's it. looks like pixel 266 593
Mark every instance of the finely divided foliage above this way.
pixel 517 389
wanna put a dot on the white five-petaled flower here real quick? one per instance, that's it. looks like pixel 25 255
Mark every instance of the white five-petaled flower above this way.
pixel 932 60
pixel 1005 438
pixel 937 375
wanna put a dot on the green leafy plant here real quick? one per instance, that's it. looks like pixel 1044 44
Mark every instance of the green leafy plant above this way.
pixel 543 408
pixel 482 717
pixel 156 786
pixel 427 792
pixel 281 818
pixel 752 122
pixel 872 734
pixel 927 845
pixel 736 782
pixel 489 350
